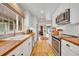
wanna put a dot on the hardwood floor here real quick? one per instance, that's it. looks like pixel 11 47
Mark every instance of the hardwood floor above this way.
pixel 42 48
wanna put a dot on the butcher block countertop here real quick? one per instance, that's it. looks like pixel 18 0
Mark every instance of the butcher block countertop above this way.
pixel 72 40
pixel 8 45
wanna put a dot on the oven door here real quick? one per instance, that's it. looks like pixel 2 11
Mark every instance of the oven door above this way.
pixel 56 43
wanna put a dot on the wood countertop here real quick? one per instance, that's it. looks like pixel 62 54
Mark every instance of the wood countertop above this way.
pixel 72 40
pixel 8 45
pixel 69 39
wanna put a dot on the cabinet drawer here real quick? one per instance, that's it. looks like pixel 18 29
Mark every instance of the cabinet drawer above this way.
pixel 71 46
pixel 16 51
pixel 66 51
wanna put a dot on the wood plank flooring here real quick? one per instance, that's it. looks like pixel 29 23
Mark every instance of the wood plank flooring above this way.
pixel 42 48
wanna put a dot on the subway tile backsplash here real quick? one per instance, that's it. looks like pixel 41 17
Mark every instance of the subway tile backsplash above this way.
pixel 71 29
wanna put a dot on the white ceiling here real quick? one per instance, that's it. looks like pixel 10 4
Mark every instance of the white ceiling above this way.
pixel 35 8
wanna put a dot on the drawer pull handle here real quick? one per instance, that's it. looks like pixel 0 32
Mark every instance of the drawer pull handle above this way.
pixel 68 45
pixel 22 54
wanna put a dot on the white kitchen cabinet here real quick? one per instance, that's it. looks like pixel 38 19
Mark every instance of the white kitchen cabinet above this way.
pixel 75 48
pixel 67 49
pixel 29 45
pixel 72 47
pixel 67 52
pixel 24 49
pixel 16 51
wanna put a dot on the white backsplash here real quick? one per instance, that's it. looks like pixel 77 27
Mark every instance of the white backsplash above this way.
pixel 71 29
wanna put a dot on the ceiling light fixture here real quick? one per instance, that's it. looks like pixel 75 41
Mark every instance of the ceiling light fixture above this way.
pixel 41 11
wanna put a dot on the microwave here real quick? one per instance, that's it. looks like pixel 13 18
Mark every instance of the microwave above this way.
pixel 63 18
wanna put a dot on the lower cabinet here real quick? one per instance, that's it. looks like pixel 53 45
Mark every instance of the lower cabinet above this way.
pixel 17 51
pixel 24 49
pixel 28 47
pixel 67 49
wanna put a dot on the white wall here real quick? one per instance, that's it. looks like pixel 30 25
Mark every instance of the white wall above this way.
pixel 74 13
pixel 31 21
pixel 27 22
pixel 58 11
pixel 73 27
pixel 35 26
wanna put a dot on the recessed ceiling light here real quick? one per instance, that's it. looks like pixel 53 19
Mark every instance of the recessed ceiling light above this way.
pixel 41 11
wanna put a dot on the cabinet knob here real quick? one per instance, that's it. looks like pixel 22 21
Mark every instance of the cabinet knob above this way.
pixel 67 45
